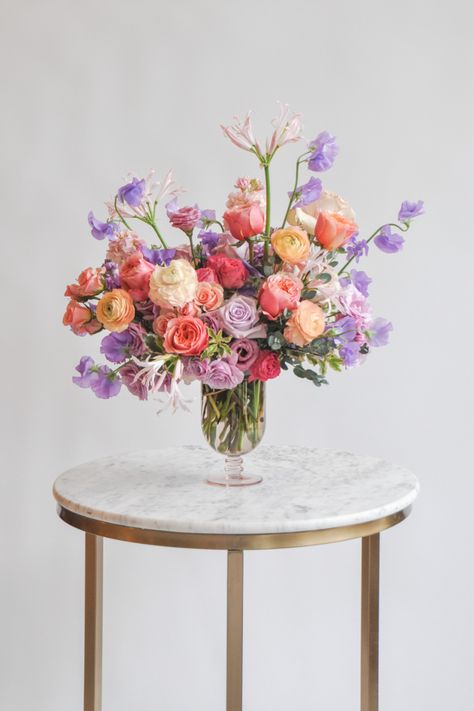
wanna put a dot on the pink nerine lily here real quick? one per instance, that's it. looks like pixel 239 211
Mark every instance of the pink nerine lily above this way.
pixel 288 129
pixel 241 133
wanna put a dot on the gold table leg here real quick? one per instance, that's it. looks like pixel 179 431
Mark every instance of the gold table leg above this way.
pixel 93 624
pixel 369 699
pixel 235 602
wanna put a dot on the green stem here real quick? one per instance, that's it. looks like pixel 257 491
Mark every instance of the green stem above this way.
pixel 374 234
pixel 191 244
pixel 157 232
pixel 292 196
pixel 250 244
pixel 266 169
pixel 120 215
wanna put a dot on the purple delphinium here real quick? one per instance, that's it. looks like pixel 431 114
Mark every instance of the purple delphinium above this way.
pixel 357 249
pixel 307 193
pixel 108 383
pixel 409 210
pixel 361 281
pixel 87 370
pixel 209 240
pixel 389 241
pixel 324 151
pixel 161 257
pixel 132 193
pixel 99 229
pixel 378 332
pixel 223 374
pixel 112 276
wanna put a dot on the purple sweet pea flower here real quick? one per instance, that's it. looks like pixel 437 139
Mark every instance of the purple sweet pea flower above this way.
pixel 361 281
pixel 389 241
pixel 307 193
pixel 357 249
pixel 108 383
pixel 132 193
pixel 345 329
pixel 378 332
pixel 223 374
pixel 117 347
pixel 325 150
pixel 87 370
pixel 350 354
pixel 409 210
pixel 240 318
pixel 161 257
pixel 247 352
pixel 209 240
pixel 207 218
pixel 99 229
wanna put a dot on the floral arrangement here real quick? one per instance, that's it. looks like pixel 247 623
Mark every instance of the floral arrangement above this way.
pixel 241 300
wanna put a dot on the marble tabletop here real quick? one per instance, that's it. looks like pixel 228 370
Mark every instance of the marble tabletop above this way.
pixel 302 490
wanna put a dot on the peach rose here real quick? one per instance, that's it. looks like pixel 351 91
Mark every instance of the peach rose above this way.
pixel 279 292
pixel 245 221
pixel 135 273
pixel 307 216
pixel 333 231
pixel 291 244
pixel 174 285
pixel 81 319
pixel 160 323
pixel 115 310
pixel 305 324
pixel 209 295
pixel 186 336
pixel 90 282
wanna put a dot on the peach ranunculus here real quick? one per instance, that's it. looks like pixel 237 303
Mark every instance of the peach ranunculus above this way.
pixel 305 324
pixel 186 336
pixel 160 323
pixel 279 292
pixel 291 244
pixel 174 285
pixel 307 216
pixel 333 231
pixel 245 221
pixel 115 310
pixel 81 319
pixel 209 295
pixel 135 273
pixel 90 282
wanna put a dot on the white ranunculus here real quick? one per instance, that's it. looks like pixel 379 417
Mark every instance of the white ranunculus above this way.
pixel 173 286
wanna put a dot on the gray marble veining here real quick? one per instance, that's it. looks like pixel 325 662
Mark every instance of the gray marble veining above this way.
pixel 302 489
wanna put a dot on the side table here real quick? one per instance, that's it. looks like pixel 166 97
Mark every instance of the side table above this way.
pixel 307 497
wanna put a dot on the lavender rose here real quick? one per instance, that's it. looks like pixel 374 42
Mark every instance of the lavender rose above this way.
pixel 194 369
pixel 240 318
pixel 223 374
pixel 246 350
pixel 135 386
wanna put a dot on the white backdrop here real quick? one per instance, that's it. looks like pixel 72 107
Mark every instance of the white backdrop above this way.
pixel 94 89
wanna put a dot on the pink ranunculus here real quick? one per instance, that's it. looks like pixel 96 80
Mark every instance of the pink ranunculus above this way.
pixel 90 282
pixel 160 324
pixel 207 274
pixel 186 335
pixel 81 319
pixel 333 231
pixel 231 273
pixel 279 292
pixel 245 221
pixel 265 367
pixel 135 274
pixel 209 295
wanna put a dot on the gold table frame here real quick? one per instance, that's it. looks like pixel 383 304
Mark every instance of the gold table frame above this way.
pixel 235 545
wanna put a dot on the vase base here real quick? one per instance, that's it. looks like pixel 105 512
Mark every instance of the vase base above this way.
pixel 226 480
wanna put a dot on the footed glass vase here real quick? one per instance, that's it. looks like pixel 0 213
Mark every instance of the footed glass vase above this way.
pixel 233 423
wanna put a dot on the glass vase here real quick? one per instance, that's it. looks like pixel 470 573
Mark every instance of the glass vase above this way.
pixel 233 423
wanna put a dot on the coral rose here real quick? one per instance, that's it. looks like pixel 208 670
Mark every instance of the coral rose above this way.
pixel 209 295
pixel 305 324
pixel 115 310
pixel 186 336
pixel 333 231
pixel 174 285
pixel 90 282
pixel 231 273
pixel 265 367
pixel 135 273
pixel 81 319
pixel 291 244
pixel 245 220
pixel 279 292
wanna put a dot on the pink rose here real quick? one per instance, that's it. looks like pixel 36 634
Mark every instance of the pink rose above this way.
pixel 90 282
pixel 245 220
pixel 232 273
pixel 160 324
pixel 186 335
pixel 135 273
pixel 184 218
pixel 189 309
pixel 206 274
pixel 209 295
pixel 265 367
pixel 81 319
pixel 279 292
pixel 333 231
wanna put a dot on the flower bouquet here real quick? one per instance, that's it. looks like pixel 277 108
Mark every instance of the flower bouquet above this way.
pixel 238 302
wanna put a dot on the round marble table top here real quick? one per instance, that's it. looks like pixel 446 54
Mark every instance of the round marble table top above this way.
pixel 302 490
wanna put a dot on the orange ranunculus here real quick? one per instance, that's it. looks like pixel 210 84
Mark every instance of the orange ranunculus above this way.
pixel 291 244
pixel 333 231
pixel 186 335
pixel 80 318
pixel 305 324
pixel 115 310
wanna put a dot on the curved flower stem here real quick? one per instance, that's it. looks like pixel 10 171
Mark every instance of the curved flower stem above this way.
pixel 374 234
pixel 250 244
pixel 300 160
pixel 120 215
pixel 155 228
pixel 191 243
pixel 266 169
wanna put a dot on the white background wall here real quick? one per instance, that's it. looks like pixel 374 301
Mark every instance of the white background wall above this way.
pixel 94 89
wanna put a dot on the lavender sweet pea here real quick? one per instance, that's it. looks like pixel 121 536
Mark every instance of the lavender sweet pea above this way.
pixel 307 193
pixel 361 281
pixel 240 318
pixel 108 383
pixel 388 241
pixel 378 332
pixel 132 193
pixel 324 151
pixel 207 218
pixel 87 370
pixel 223 374
pixel 409 210
pixel 209 240
pixel 350 354
pixel 100 230
pixel 117 347
pixel 161 257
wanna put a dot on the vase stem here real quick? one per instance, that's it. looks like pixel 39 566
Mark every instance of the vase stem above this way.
pixel 233 467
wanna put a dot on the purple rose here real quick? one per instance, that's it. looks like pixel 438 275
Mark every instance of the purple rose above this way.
pixel 240 318
pixel 133 384
pixel 307 193
pixel 99 229
pixel 409 210
pixel 324 151
pixel 147 309
pixel 194 369
pixel 388 241
pixel 223 374
pixel 87 370
pixel 132 193
pixel 361 281
pixel 246 350
pixel 378 332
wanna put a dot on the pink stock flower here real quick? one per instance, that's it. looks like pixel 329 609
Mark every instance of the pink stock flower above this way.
pixel 288 129
pixel 183 218
pixel 125 244
pixel 135 274
pixel 90 282
pixel 279 292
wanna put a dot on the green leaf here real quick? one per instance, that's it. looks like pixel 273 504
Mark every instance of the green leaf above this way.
pixel 309 294
pixel 325 277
